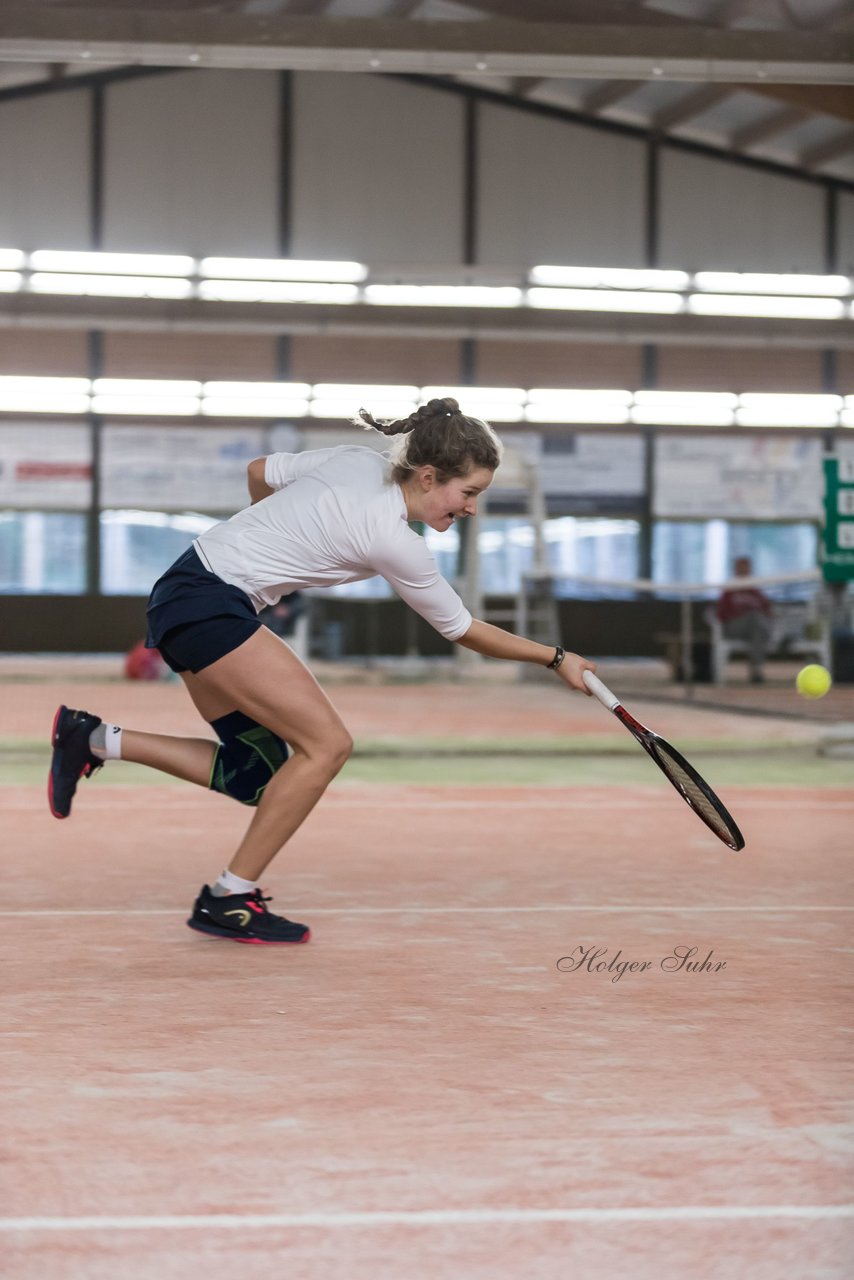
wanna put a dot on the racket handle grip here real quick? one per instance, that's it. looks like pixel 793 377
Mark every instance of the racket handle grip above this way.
pixel 600 691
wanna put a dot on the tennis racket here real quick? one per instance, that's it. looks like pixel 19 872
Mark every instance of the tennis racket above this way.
pixel 693 789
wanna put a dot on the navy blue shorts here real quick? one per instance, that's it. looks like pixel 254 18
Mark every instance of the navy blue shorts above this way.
pixel 194 618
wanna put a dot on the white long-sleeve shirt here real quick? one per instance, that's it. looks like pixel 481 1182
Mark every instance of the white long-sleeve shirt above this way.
pixel 335 517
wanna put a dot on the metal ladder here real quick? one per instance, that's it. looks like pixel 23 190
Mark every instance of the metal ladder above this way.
pixel 535 613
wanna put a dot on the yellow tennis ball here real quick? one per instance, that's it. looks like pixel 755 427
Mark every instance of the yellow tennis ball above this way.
pixel 814 681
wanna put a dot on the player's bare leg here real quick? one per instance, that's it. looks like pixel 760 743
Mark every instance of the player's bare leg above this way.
pixel 265 680
pixel 187 758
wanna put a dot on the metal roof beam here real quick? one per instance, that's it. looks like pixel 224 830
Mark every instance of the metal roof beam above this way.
pixel 778 122
pixel 180 38
pixel 609 94
pixel 829 99
pixel 402 8
pixel 693 104
pixel 522 86
pixel 817 157
pixel 572 11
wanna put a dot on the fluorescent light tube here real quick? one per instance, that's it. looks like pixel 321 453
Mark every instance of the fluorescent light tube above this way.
pixel 11 259
pixel 721 304
pixel 276 291
pixel 145 387
pixel 685 408
pixel 330 408
pixel 362 394
pixel 442 295
pixel 26 384
pixel 496 410
pixel 609 277
pixel 605 300
pixel 494 394
pixel 546 404
pixel 138 264
pixel 33 402
pixel 546 395
pixel 794 400
pixel 283 269
pixel 767 410
pixel 155 406
pixel 110 286
pixel 581 411
pixel 257 390
pixel 764 282
pixel 254 407
pixel 10 281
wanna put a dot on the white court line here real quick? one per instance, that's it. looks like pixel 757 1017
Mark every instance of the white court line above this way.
pixel 445 911
pixel 622 799
pixel 431 1218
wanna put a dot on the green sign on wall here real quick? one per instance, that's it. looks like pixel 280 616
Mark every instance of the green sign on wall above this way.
pixel 837 547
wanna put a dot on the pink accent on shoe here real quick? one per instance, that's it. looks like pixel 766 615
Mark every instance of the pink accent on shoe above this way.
pixel 50 775
pixel 273 942
pixel 259 942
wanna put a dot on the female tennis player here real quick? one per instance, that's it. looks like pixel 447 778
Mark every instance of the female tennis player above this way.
pixel 317 518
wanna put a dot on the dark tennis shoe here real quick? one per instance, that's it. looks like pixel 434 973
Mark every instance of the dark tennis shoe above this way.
pixel 71 757
pixel 243 917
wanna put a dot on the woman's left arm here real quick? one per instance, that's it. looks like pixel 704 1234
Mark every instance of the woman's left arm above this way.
pixel 492 642
pixel 256 483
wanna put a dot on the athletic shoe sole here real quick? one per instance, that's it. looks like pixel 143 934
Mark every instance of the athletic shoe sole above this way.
pixel 84 772
pixel 53 810
pixel 225 936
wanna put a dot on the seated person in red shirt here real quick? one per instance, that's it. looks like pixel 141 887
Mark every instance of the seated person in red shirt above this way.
pixel 745 613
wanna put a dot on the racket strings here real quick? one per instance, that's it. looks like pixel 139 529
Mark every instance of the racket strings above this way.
pixel 696 793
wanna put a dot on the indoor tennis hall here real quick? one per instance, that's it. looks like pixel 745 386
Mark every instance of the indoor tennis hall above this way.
pixel 551 1019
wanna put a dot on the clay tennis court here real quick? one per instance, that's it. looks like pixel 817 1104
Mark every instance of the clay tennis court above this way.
pixel 423 1091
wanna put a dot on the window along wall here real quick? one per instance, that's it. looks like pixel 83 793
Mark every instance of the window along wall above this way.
pixel 44 552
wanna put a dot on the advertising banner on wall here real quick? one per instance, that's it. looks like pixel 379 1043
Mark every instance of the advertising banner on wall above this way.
pixel 584 473
pixel 593 473
pixel 738 477
pixel 589 464
pixel 45 466
pixel 837 540
pixel 153 468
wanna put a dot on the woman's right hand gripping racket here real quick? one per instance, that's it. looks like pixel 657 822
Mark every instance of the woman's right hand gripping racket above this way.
pixel 693 789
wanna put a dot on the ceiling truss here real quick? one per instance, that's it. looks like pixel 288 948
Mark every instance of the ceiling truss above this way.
pixel 798 55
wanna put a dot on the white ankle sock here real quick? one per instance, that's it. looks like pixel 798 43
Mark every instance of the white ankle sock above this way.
pixel 106 742
pixel 230 883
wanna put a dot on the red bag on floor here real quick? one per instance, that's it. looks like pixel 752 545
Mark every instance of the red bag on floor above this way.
pixel 144 664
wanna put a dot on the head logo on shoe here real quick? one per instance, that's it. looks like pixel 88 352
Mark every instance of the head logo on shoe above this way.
pixel 245 917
